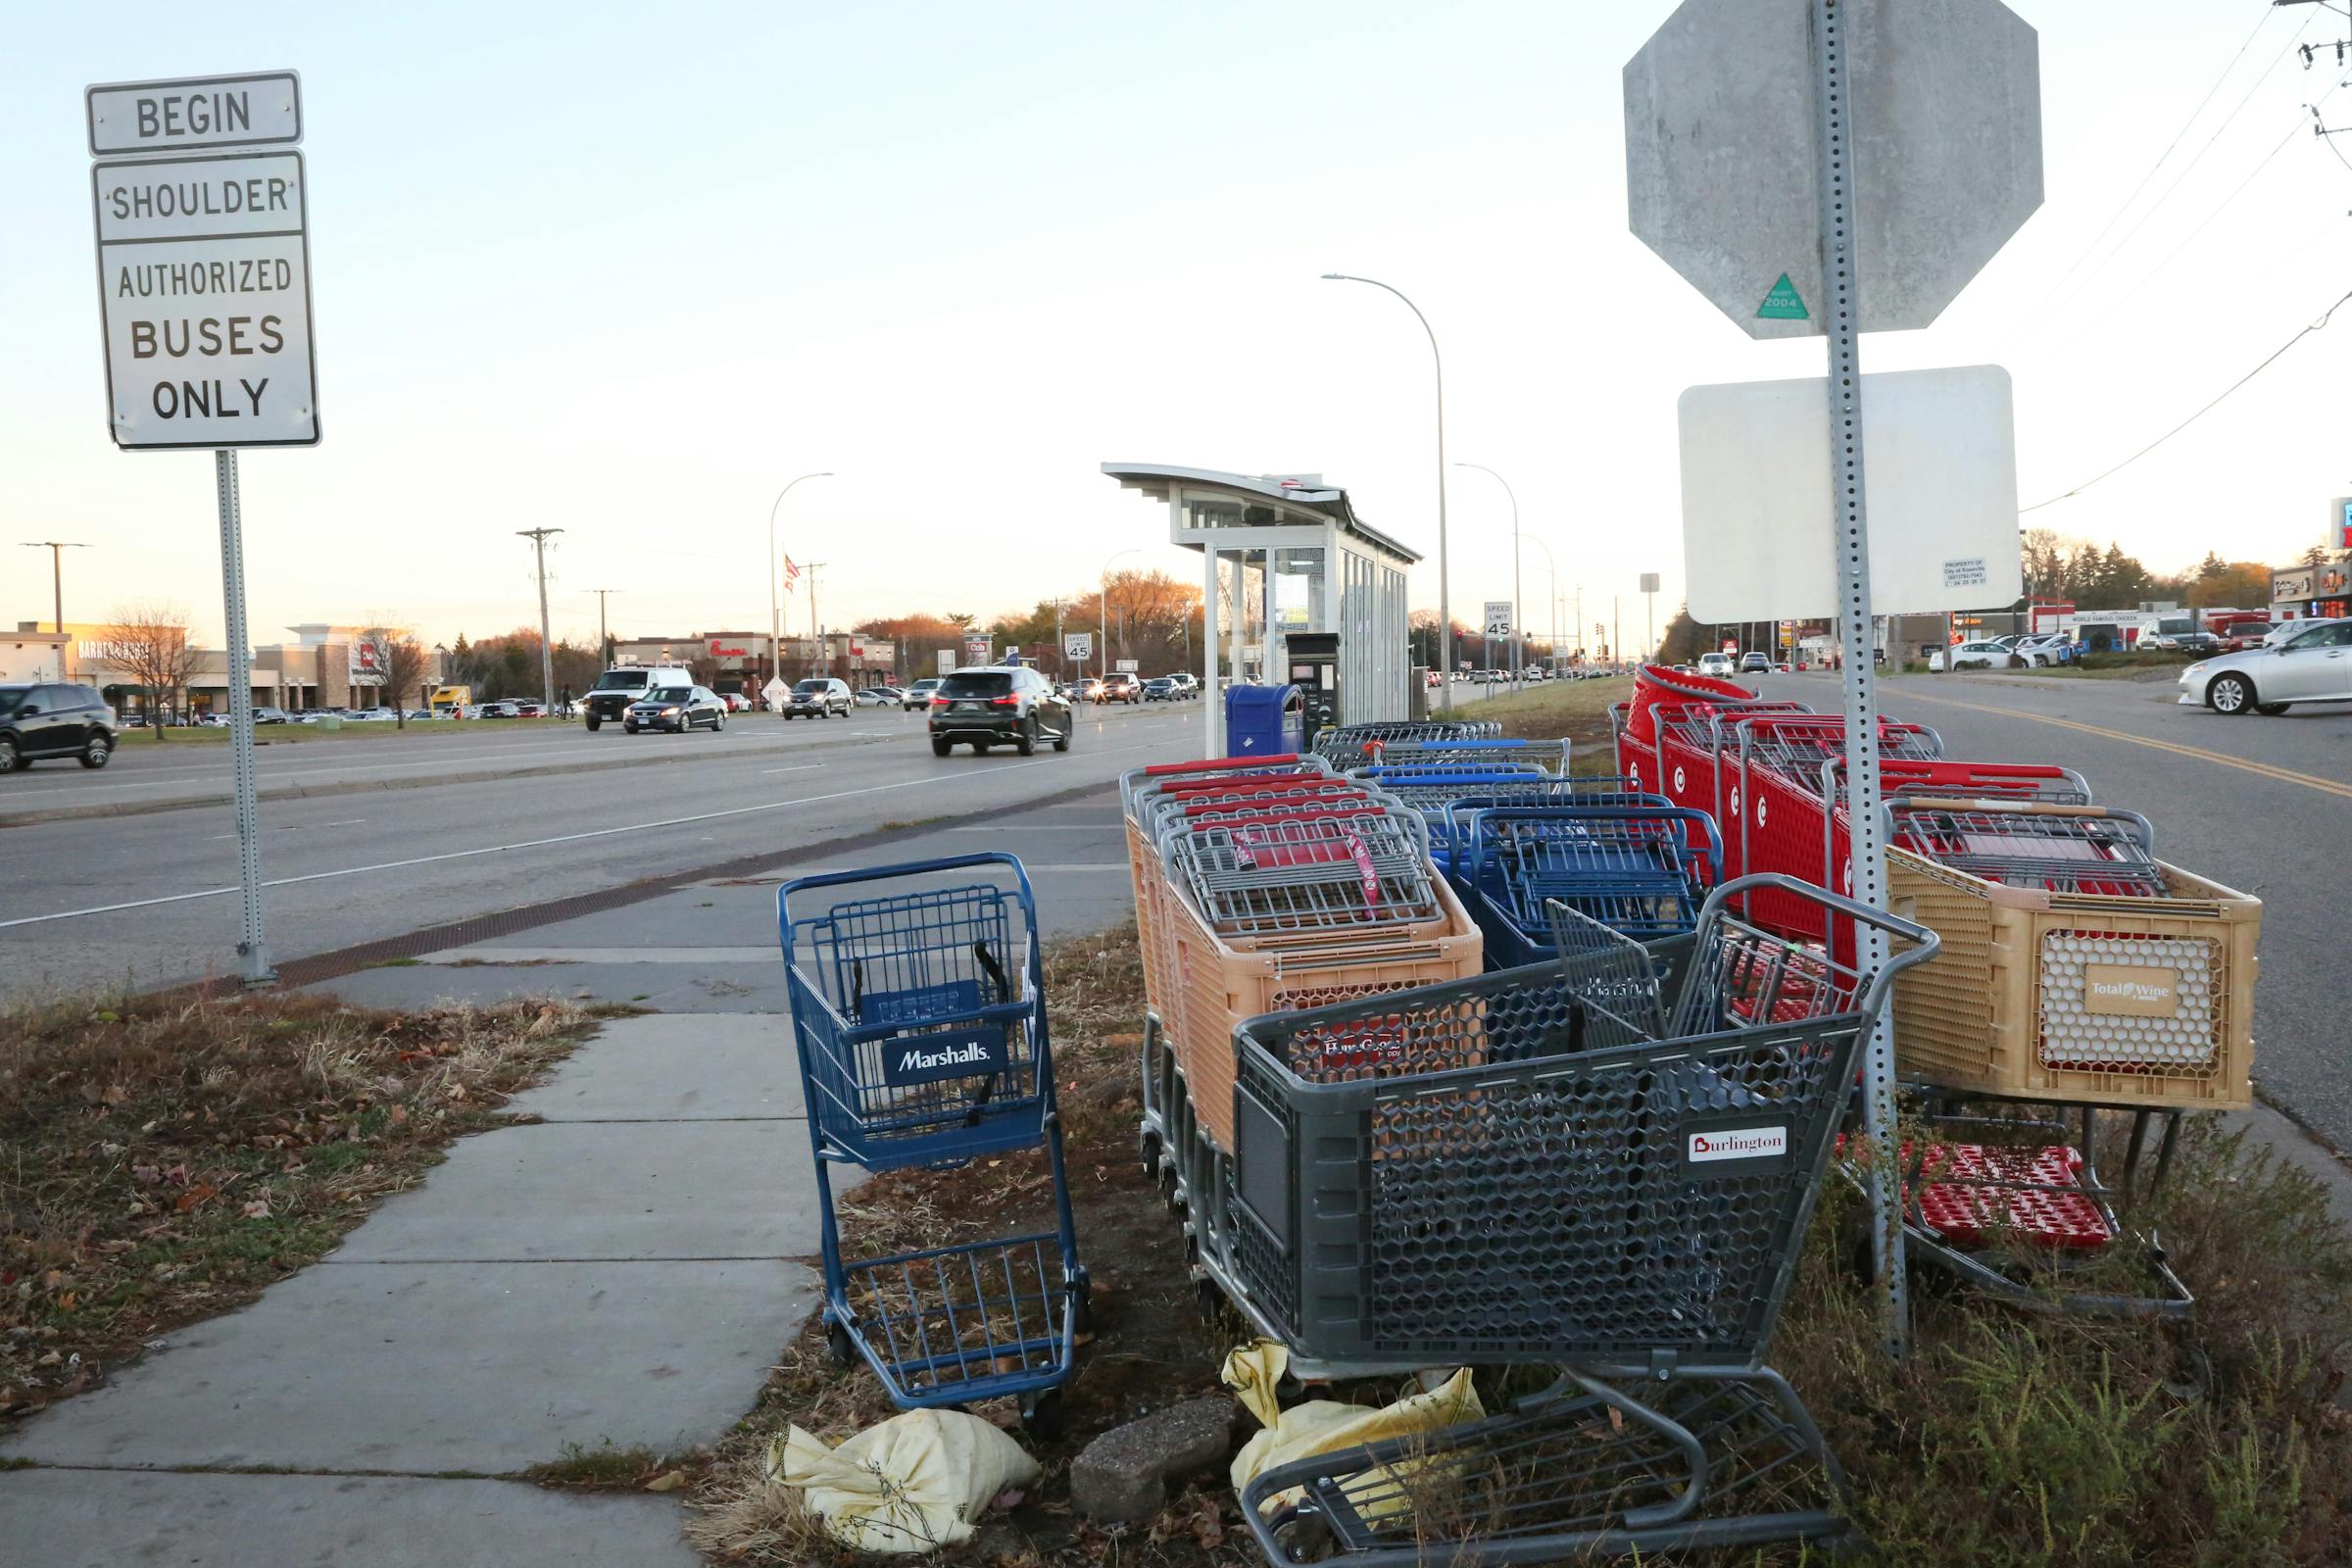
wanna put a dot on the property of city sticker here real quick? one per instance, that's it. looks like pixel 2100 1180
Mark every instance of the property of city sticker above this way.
pixel 1782 303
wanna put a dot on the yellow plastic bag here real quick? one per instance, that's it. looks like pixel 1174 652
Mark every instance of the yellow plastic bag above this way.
pixel 1324 1426
pixel 914 1482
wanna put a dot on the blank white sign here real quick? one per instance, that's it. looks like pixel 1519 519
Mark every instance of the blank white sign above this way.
pixel 1940 468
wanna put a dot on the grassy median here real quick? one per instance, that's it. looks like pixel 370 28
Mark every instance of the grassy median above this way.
pixel 2008 1439
pixel 1575 710
pixel 164 1158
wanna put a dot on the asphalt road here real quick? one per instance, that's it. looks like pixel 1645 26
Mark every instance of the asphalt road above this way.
pixel 145 773
pixel 138 899
pixel 2261 805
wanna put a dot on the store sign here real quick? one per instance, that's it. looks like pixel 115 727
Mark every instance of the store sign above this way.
pixel 975 650
pixel 367 658
pixel 2292 583
pixel 719 649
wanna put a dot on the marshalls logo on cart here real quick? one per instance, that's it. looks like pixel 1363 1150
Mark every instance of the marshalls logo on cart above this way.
pixel 204 276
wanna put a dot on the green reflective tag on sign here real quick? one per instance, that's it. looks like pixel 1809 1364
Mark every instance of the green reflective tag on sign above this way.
pixel 1781 303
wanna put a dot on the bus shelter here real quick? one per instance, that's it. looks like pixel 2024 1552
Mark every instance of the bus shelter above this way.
pixel 1283 555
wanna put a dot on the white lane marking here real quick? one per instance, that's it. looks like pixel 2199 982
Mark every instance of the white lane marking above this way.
pixel 533 844
pixel 302 827
pixel 803 768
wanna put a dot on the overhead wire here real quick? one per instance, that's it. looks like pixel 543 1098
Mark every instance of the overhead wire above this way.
pixel 2170 148
pixel 2273 358
pixel 2116 301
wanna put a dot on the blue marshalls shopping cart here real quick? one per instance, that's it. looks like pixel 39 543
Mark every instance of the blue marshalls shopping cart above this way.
pixel 919 1015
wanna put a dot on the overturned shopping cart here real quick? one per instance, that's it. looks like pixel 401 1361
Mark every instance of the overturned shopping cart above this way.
pixel 918 1013
pixel 1551 1166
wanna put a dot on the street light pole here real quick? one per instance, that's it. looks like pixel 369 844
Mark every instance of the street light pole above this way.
pixel 775 621
pixel 1552 567
pixel 1518 616
pixel 547 653
pixel 1445 600
pixel 1102 611
pixel 57 548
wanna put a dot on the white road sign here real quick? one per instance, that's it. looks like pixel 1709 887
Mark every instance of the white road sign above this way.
pixel 775 691
pixel 1649 582
pixel 204 284
pixel 1722 174
pixel 1498 617
pixel 1755 459
pixel 1078 644
pixel 258 108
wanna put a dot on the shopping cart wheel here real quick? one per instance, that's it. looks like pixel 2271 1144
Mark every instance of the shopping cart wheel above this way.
pixel 1303 1538
pixel 1148 1145
pixel 839 1346
pixel 1042 1414
pixel 1082 1293
pixel 1167 1187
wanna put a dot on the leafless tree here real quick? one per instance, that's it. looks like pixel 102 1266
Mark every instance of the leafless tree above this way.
pixel 149 642
pixel 402 661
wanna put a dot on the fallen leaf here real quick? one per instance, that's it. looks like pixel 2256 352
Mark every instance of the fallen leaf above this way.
pixel 259 1209
pixel 666 1483
pixel 195 1195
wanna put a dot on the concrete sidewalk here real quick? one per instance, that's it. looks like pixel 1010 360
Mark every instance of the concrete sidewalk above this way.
pixel 618 1271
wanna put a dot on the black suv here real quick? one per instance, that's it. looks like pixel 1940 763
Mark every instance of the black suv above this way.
pixel 37 721
pixel 1015 706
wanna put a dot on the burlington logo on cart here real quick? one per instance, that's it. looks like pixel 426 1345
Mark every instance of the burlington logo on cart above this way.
pixel 1729 1148
pixel 952 1053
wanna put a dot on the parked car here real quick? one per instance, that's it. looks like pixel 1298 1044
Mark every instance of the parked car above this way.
pixel 54 721
pixel 2197 643
pixel 918 695
pixel 676 708
pixel 736 702
pixel 2312 664
pixel 414 714
pixel 1716 665
pixel 1755 665
pixel 529 710
pixel 371 716
pixel 1975 656
pixel 2046 650
pixel 1011 705
pixel 1122 686
pixel 880 697
pixel 818 697
pixel 272 716
pixel 2244 635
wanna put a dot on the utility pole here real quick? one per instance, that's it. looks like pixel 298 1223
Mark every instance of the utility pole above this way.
pixel 604 639
pixel 817 636
pixel 57 548
pixel 547 653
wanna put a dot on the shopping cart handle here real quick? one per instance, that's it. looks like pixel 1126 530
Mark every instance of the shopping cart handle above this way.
pixel 881 873
pixel 1924 941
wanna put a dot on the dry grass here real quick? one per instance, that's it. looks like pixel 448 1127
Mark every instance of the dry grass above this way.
pixel 1578 709
pixel 163 1160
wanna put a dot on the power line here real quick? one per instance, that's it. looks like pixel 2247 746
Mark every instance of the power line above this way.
pixel 2168 148
pixel 2116 301
pixel 2309 328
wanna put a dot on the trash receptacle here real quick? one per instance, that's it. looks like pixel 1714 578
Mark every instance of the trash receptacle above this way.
pixel 1263 720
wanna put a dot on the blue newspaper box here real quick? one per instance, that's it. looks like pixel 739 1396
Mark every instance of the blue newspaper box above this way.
pixel 1263 720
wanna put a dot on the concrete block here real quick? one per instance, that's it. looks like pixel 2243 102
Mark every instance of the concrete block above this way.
pixel 1122 1477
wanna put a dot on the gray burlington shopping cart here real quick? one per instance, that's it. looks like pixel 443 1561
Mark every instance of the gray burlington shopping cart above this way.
pixel 1550 1166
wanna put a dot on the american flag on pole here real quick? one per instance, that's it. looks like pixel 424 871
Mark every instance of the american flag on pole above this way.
pixel 791 575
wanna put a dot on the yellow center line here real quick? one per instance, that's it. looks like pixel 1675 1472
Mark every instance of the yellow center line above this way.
pixel 2283 775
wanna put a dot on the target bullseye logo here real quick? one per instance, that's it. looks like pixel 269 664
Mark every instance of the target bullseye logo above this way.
pixel 1678 781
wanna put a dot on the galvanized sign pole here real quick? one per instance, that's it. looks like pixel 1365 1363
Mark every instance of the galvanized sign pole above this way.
pixel 1834 111
pixel 253 955
pixel 202 205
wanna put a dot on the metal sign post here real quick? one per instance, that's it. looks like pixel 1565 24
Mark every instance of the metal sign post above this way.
pixel 253 955
pixel 1851 543
pixel 1831 167
pixel 204 292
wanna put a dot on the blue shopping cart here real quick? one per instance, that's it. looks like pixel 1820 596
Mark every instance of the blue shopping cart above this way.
pixel 918 1013
pixel 1643 870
